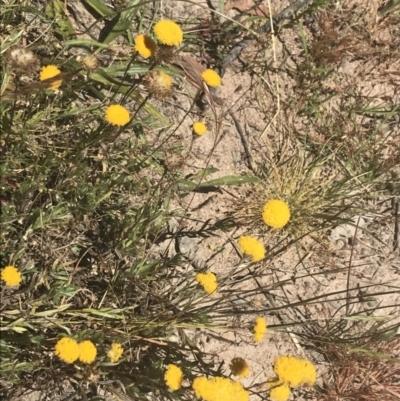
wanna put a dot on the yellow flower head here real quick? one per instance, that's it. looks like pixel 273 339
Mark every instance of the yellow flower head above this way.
pixel 219 389
pixel 260 329
pixel 280 393
pixel 211 78
pixel 208 281
pixel 117 115
pixel 276 213
pixel 115 352
pixel 87 351
pixel 252 247
pixel 11 276
pixel 173 377
pixel 295 371
pixel 159 83
pixel 48 72
pixel 199 128
pixel 168 33
pixel 239 367
pixel 67 349
pixel 145 46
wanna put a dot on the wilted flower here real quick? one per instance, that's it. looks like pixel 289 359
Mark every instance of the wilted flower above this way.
pixel 115 352
pixel 239 367
pixel 159 83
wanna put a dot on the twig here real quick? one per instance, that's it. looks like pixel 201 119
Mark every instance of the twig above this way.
pixel 244 141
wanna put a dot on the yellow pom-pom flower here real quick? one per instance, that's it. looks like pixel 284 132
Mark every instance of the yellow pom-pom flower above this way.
pixel 115 352
pixel 11 276
pixel 199 128
pixel 67 349
pixel 117 115
pixel 295 371
pixel 260 329
pixel 48 72
pixel 276 213
pixel 211 78
pixel 168 32
pixel 280 393
pixel 87 352
pixel 208 281
pixel 145 46
pixel 252 247
pixel 173 377
pixel 219 389
pixel 239 367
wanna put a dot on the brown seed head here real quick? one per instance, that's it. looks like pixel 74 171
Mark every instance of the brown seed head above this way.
pixel 22 60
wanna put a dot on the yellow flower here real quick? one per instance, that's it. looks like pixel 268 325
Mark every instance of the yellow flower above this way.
pixel 208 281
pixel 11 276
pixel 168 33
pixel 87 351
pixel 211 78
pixel 48 72
pixel 199 128
pixel 219 389
pixel 159 83
pixel 117 115
pixel 173 377
pixel 145 46
pixel 67 349
pixel 276 213
pixel 251 246
pixel 239 367
pixel 295 371
pixel 260 329
pixel 280 393
pixel 115 352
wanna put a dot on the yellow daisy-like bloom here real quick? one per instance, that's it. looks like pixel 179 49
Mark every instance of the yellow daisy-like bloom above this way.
pixel 199 128
pixel 173 377
pixel 208 281
pixel 67 349
pixel 168 32
pixel 295 371
pixel 211 78
pixel 280 393
pixel 11 276
pixel 219 389
pixel 260 329
pixel 117 115
pixel 239 367
pixel 276 213
pixel 145 46
pixel 115 352
pixel 48 72
pixel 87 352
pixel 252 247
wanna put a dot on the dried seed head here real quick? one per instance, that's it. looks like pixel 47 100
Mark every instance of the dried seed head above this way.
pixel 159 83
pixel 165 54
pixel 173 160
pixel 90 62
pixel 22 60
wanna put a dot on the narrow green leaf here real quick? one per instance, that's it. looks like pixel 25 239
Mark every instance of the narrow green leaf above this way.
pixel 100 7
pixel 55 11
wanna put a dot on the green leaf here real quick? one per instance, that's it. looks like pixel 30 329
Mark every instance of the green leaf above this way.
pixel 100 7
pixel 227 180
pixel 55 11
